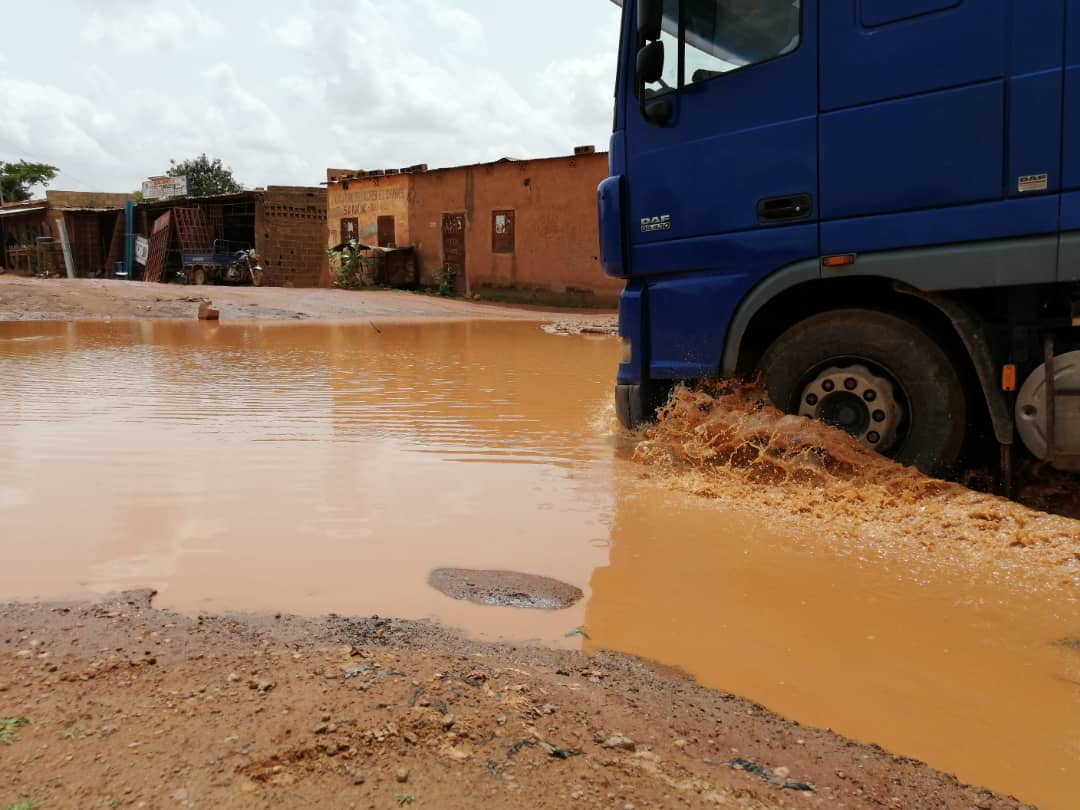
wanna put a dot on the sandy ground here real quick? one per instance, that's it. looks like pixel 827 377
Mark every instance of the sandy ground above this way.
pixel 30 299
pixel 116 703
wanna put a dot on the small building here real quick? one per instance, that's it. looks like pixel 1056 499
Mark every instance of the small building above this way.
pixel 522 230
pixel 30 233
pixel 285 225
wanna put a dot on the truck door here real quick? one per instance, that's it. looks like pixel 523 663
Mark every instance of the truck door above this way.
pixel 940 122
pixel 723 152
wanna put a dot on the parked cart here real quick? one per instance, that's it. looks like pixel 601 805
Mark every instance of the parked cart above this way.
pixel 206 258
pixel 225 262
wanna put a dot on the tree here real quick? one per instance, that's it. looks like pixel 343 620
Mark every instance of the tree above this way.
pixel 205 176
pixel 16 179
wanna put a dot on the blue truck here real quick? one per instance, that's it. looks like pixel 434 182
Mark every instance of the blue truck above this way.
pixel 872 205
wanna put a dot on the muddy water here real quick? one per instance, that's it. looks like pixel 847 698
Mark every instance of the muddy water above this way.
pixel 928 662
pixel 303 468
pixel 319 468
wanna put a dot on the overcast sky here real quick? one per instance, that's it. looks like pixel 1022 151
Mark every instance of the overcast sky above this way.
pixel 109 91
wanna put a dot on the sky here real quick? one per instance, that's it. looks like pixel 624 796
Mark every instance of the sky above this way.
pixel 109 91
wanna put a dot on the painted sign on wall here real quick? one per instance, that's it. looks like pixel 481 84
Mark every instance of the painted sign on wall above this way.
pixel 162 188
pixel 142 250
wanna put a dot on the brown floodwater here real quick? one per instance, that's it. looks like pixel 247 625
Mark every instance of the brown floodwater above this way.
pixel 329 468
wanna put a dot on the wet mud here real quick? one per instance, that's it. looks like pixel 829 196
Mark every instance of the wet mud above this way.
pixel 717 440
pixel 115 703
pixel 1039 486
pixel 504 589
pixel 31 299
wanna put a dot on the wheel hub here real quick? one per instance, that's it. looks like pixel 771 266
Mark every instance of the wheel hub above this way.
pixel 857 401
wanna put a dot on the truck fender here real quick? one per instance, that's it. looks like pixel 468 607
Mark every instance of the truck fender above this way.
pixel 766 290
pixel 970 331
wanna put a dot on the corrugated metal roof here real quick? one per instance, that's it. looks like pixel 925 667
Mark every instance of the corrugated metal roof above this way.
pixel 11 212
pixel 214 199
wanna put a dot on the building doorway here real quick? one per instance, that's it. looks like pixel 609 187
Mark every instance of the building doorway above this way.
pixel 453 230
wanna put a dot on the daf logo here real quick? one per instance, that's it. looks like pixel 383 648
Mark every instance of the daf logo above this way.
pixel 650 224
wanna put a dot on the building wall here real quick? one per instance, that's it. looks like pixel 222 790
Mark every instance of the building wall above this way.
pixel 434 194
pixel 290 236
pixel 552 202
pixel 555 256
pixel 86 199
pixel 365 199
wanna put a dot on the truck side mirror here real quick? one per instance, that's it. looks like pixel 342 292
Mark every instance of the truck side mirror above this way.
pixel 650 63
pixel 650 19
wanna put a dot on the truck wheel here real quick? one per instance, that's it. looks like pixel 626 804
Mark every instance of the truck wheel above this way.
pixel 877 376
pixel 199 276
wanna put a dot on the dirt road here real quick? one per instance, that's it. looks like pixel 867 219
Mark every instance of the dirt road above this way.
pixel 29 299
pixel 119 704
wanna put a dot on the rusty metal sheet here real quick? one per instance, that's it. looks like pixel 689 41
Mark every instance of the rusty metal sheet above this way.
pixel 193 230
pixel 159 246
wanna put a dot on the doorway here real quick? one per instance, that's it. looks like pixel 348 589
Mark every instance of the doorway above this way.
pixel 453 229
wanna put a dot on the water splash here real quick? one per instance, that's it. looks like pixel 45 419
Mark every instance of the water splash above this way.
pixel 726 441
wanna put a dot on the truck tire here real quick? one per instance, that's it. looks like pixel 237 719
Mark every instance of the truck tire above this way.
pixel 861 368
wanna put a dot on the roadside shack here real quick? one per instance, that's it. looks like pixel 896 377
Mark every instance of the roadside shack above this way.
pixel 274 236
pixel 74 233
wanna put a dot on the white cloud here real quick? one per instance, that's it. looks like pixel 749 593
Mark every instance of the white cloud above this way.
pixel 156 27
pixel 40 118
pixel 314 83
pixel 295 32
pixel 584 88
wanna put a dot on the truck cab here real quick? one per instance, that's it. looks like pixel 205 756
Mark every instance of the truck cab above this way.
pixel 872 205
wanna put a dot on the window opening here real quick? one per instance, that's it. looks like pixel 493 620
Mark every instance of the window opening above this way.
pixel 502 231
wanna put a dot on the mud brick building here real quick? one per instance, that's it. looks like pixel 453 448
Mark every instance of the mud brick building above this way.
pixel 289 226
pixel 30 233
pixel 523 230
pixel 286 225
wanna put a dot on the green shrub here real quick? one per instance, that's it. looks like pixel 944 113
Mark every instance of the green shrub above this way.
pixel 349 265
pixel 447 282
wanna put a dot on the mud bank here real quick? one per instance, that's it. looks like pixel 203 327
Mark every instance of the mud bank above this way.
pixel 121 704
pixel 29 299
pixel 504 588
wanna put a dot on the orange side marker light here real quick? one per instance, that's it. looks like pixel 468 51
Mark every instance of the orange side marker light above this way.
pixel 1008 378
pixel 841 260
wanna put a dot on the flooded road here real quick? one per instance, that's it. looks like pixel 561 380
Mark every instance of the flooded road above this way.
pixel 323 468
